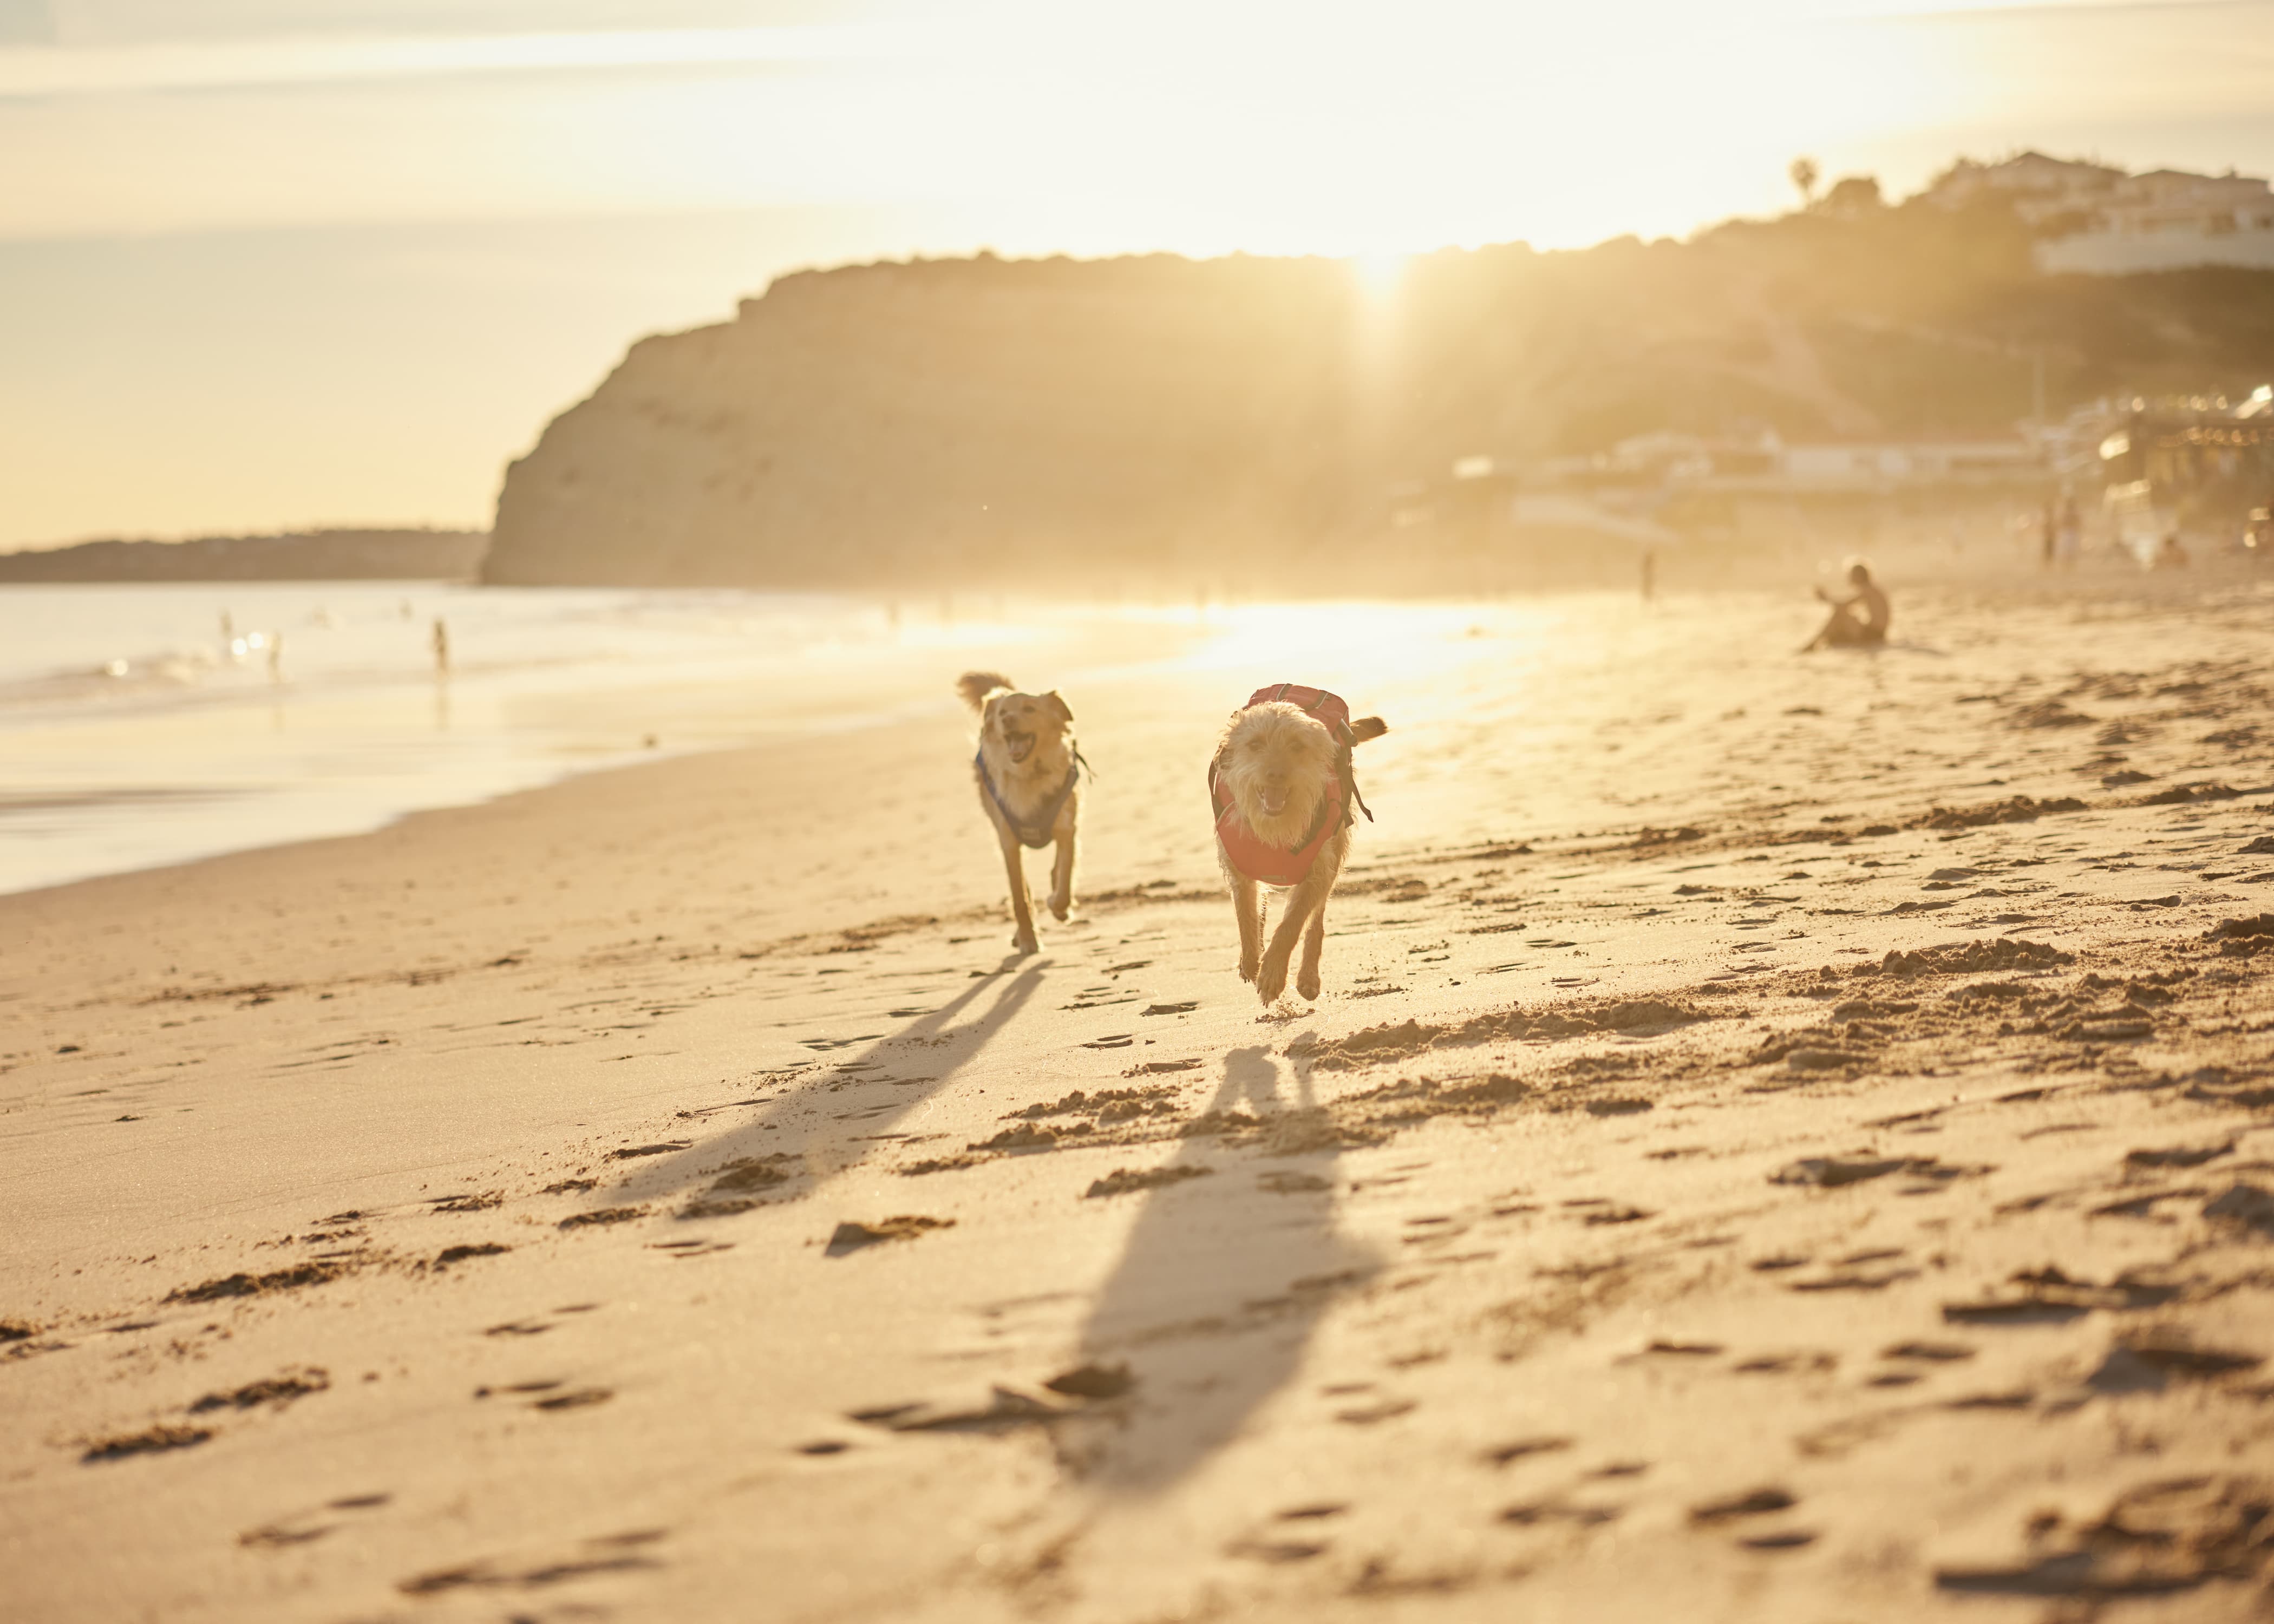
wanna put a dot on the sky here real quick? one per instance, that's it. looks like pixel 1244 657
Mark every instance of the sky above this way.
pixel 273 263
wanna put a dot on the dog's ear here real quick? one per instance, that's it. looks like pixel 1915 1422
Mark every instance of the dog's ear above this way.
pixel 1058 705
pixel 1368 728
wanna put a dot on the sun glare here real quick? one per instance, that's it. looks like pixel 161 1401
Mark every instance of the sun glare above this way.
pixel 1380 275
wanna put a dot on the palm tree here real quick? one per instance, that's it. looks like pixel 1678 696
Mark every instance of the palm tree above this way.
pixel 1803 173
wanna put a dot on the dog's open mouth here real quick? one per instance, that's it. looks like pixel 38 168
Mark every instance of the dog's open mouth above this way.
pixel 1021 745
pixel 1274 802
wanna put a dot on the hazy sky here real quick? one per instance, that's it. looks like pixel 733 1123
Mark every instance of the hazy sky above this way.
pixel 272 263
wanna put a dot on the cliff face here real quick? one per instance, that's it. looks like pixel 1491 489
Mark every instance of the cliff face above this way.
pixel 947 421
pixel 936 417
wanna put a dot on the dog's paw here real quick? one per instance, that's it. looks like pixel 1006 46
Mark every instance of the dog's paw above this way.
pixel 1247 967
pixel 1270 981
pixel 1061 905
pixel 1025 942
pixel 1307 985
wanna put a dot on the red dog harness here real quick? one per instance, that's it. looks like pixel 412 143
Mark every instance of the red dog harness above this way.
pixel 1248 853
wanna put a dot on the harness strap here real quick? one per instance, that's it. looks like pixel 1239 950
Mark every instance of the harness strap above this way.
pixel 1050 817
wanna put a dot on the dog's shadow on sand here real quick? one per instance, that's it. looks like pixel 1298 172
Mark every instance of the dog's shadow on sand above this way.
pixel 1217 1293
pixel 829 1122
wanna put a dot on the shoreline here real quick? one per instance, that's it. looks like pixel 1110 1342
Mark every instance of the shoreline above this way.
pixel 693 714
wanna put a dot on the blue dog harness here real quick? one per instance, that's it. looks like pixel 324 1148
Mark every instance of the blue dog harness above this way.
pixel 1038 836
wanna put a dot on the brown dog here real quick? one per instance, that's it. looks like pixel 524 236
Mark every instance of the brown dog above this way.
pixel 1028 771
pixel 1282 791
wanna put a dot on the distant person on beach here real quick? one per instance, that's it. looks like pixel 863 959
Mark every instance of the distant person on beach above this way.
pixel 441 647
pixel 2048 533
pixel 1649 574
pixel 1844 631
pixel 2171 555
pixel 2069 538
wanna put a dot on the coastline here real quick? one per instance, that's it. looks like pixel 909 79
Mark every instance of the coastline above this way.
pixel 1695 1038
pixel 179 753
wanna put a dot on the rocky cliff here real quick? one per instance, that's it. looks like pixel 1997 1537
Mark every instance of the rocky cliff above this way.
pixel 1116 421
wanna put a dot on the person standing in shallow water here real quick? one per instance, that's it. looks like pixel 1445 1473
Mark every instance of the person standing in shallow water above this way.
pixel 1844 629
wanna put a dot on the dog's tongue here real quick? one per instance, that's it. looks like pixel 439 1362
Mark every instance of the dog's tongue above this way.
pixel 1273 804
pixel 1020 748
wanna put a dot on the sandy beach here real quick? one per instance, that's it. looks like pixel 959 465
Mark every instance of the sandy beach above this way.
pixel 1782 1138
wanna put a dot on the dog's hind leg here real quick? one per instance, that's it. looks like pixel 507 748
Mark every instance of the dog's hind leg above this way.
pixel 1022 909
pixel 1247 908
pixel 1062 875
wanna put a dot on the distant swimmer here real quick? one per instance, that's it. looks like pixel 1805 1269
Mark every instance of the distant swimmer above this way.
pixel 277 656
pixel 1843 630
pixel 441 647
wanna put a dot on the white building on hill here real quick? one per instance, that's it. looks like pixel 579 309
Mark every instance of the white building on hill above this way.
pixel 2102 222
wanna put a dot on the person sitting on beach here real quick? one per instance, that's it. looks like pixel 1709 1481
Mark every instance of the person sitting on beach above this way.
pixel 1843 630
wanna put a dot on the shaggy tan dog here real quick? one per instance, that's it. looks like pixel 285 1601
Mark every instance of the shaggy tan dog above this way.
pixel 1282 785
pixel 1028 772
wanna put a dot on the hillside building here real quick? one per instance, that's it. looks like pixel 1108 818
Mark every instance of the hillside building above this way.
pixel 2099 220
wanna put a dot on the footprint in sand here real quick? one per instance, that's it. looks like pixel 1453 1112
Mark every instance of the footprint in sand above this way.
pixel 274 1390
pixel 850 1236
pixel 301 1529
pixel 470 1202
pixel 459 1254
pixel 150 1441
pixel 1752 1503
pixel 602 1215
pixel 1276 1550
pixel 1524 1448
pixel 1123 1181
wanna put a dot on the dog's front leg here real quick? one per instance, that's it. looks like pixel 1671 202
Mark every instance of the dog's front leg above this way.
pixel 1271 974
pixel 1062 873
pixel 1247 908
pixel 1319 882
pixel 1022 911
pixel 1315 939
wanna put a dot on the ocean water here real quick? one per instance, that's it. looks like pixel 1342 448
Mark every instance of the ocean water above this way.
pixel 145 725
pixel 133 734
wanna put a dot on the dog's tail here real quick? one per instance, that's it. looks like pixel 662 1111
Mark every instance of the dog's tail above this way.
pixel 974 686
pixel 1368 728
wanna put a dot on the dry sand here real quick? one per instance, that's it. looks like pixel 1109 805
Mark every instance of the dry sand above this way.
pixel 1747 1164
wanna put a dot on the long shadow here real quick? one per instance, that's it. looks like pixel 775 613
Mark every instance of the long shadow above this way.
pixel 829 1122
pixel 1217 1293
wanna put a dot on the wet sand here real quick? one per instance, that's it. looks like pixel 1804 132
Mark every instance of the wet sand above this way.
pixel 1782 1138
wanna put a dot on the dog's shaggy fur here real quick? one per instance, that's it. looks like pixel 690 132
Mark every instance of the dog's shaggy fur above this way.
pixel 1027 745
pixel 1277 763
